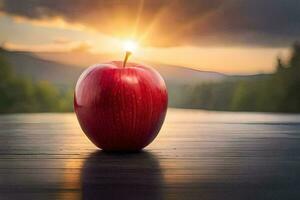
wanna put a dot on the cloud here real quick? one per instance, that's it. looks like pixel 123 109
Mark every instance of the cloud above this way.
pixel 175 22
pixel 70 46
pixel 81 47
pixel 62 40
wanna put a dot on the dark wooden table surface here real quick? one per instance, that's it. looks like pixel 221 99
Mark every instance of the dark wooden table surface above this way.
pixel 197 155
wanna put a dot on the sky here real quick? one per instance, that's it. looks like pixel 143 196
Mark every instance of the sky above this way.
pixel 229 36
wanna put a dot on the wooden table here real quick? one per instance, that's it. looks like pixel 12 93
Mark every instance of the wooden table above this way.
pixel 197 155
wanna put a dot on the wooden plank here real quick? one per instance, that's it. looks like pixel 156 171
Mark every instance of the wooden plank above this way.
pixel 197 155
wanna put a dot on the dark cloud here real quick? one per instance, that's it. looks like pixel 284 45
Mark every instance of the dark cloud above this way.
pixel 177 22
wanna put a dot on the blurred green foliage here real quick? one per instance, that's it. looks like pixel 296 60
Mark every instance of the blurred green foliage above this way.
pixel 278 92
pixel 19 94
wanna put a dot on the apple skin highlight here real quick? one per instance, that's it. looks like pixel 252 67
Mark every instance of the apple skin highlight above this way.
pixel 120 109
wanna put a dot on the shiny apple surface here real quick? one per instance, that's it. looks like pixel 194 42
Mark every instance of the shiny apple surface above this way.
pixel 120 108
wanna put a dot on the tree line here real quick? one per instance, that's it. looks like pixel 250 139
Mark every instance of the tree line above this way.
pixel 19 94
pixel 277 92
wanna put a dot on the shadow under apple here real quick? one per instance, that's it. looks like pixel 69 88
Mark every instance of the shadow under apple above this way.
pixel 121 176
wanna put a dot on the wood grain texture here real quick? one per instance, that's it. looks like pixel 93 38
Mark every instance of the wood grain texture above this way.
pixel 197 155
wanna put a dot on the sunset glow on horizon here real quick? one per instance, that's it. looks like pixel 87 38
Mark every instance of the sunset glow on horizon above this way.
pixel 160 41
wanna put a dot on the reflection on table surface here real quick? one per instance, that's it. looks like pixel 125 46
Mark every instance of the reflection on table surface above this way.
pixel 197 155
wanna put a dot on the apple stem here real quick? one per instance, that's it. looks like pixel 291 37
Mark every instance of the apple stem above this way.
pixel 128 53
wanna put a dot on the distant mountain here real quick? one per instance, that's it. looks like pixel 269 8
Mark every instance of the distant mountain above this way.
pixel 75 58
pixel 171 73
pixel 188 76
pixel 28 65
pixel 63 69
pixel 248 77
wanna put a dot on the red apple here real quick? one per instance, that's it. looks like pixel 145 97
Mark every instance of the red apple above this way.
pixel 120 108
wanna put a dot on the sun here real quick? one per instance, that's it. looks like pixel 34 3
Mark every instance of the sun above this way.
pixel 130 45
